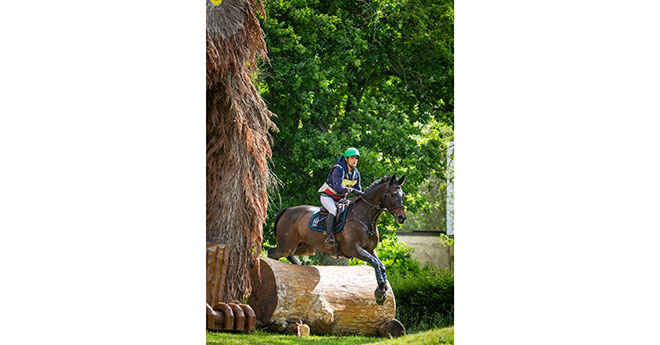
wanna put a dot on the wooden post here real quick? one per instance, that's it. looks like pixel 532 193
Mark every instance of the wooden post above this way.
pixel 217 258
pixel 232 316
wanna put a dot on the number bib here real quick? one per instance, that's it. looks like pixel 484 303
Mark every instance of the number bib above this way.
pixel 348 183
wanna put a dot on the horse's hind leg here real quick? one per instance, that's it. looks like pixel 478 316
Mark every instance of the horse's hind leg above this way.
pixel 294 260
pixel 273 254
pixel 288 238
pixel 285 248
pixel 276 252
pixel 302 249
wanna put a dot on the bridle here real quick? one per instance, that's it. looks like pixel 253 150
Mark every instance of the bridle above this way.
pixel 380 209
pixel 372 206
pixel 392 209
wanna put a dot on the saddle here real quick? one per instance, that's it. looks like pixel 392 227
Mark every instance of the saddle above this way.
pixel 341 206
pixel 318 221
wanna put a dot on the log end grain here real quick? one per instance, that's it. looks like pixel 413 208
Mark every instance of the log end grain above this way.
pixel 263 300
pixel 391 329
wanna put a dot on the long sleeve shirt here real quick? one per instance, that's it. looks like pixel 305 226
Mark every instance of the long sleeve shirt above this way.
pixel 340 179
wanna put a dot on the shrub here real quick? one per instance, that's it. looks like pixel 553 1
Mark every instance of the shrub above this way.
pixel 425 299
pixel 424 296
pixel 395 255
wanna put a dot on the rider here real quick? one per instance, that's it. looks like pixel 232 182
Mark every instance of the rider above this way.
pixel 343 178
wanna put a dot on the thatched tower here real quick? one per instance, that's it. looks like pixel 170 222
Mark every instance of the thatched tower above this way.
pixel 237 138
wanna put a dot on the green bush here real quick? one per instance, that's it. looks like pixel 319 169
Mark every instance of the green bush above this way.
pixel 395 255
pixel 425 299
pixel 424 295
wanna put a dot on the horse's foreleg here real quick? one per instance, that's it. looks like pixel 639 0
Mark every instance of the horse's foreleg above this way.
pixel 376 264
pixel 382 269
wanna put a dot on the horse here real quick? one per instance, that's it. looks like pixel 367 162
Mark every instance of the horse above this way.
pixel 357 239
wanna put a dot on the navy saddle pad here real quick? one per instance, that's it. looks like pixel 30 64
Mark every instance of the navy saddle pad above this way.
pixel 318 220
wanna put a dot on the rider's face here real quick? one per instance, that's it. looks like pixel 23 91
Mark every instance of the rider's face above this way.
pixel 352 161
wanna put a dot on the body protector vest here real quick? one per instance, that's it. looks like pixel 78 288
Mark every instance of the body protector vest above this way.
pixel 348 180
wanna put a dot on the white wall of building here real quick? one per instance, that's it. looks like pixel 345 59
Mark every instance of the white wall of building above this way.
pixel 429 248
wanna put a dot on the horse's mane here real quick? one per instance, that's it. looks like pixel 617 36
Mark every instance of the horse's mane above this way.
pixel 375 184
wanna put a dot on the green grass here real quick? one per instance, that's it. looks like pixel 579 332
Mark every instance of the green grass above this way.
pixel 432 337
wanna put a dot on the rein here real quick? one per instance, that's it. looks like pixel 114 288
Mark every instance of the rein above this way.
pixel 380 208
pixel 372 205
pixel 373 220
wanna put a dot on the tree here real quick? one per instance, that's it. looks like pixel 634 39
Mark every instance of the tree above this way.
pixel 374 74
pixel 237 139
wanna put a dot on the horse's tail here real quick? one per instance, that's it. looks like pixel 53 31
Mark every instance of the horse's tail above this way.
pixel 277 219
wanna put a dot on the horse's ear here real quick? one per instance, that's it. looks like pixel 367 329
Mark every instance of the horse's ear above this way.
pixel 393 179
pixel 401 180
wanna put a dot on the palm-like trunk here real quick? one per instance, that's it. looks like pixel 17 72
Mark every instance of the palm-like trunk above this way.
pixel 237 138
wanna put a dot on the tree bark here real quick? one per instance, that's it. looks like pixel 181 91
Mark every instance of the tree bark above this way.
pixel 238 138
pixel 330 299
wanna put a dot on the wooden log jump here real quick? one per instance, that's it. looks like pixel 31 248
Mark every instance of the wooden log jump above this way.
pixel 221 316
pixel 330 299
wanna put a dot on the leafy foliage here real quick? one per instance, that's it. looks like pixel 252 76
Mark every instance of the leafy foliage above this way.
pixel 395 255
pixel 424 299
pixel 424 295
pixel 372 74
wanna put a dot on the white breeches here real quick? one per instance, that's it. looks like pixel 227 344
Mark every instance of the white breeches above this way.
pixel 329 204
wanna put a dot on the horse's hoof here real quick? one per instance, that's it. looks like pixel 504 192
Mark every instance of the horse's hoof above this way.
pixel 380 296
pixel 381 301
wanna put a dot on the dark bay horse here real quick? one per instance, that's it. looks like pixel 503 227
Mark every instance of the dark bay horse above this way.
pixel 357 239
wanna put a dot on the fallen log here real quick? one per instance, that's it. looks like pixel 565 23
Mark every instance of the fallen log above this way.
pixel 330 299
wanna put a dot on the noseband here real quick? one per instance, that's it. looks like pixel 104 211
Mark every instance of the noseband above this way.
pixel 393 209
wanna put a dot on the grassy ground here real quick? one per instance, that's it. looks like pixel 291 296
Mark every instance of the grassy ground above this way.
pixel 432 337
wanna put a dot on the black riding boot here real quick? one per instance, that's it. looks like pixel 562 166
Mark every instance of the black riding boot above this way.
pixel 330 223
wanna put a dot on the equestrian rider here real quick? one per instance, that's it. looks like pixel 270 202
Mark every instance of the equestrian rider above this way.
pixel 343 178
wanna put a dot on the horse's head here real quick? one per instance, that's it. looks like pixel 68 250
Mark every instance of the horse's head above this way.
pixel 393 199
